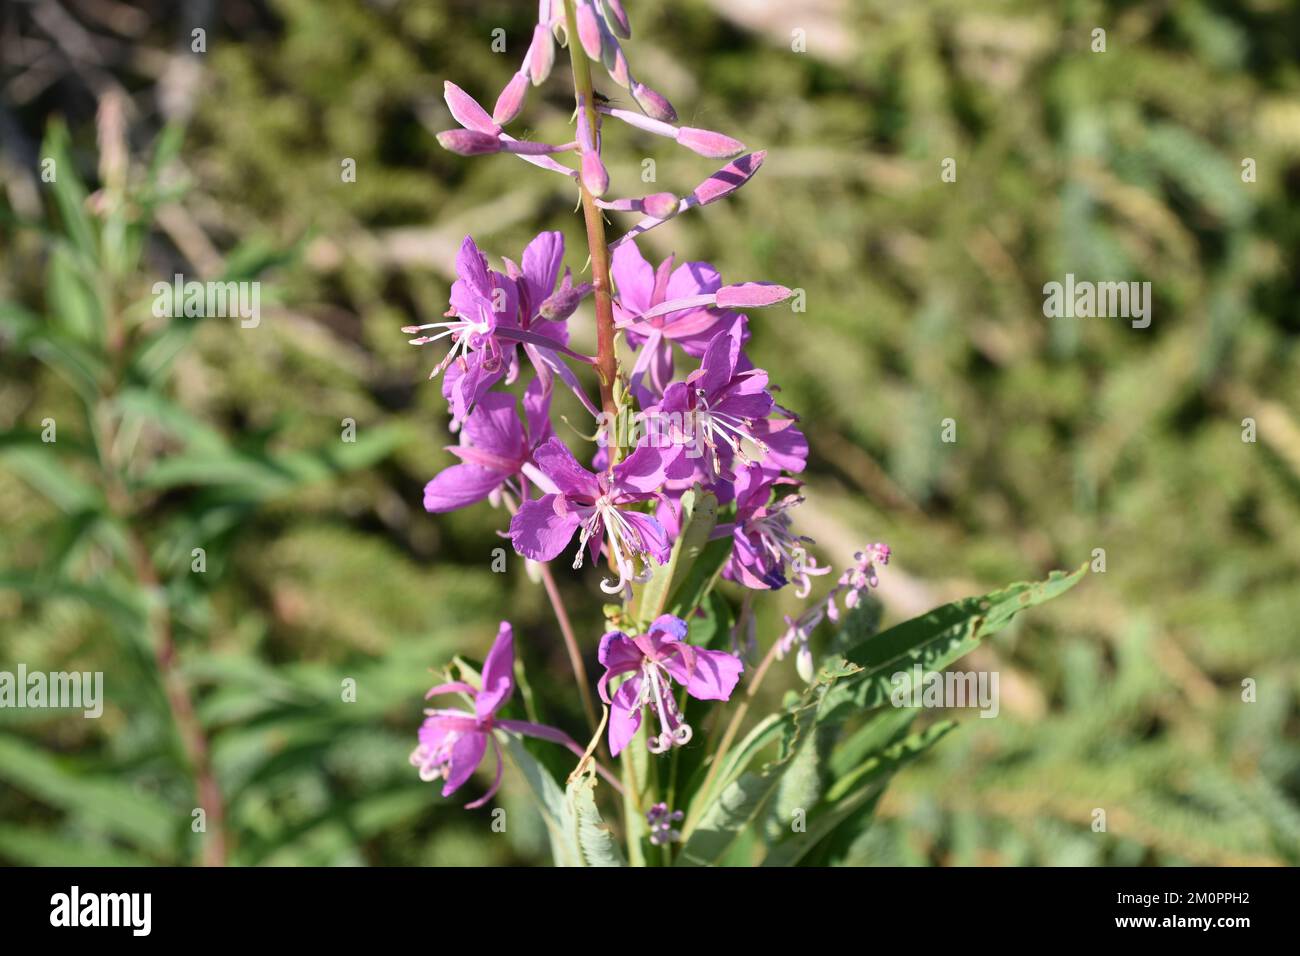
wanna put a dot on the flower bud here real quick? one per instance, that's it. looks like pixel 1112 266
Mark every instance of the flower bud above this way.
pixel 747 295
pixel 660 205
pixel 465 109
pixel 653 104
pixel 727 179
pixel 511 100
pixel 541 55
pixel 594 175
pixel 589 30
pixel 564 301
pixel 616 17
pixel 708 143
pixel 469 142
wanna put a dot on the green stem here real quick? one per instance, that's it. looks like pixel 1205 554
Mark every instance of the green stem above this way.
pixel 720 755
pixel 598 249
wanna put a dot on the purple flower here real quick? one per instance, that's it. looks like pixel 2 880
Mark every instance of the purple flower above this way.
pixel 767 552
pixel 655 660
pixel 491 314
pixel 862 576
pixel 483 303
pixel 856 581
pixel 452 742
pixel 494 446
pixel 660 821
pixel 641 287
pixel 596 506
pixel 718 406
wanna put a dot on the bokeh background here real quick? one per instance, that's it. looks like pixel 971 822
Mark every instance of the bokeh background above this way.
pixel 924 303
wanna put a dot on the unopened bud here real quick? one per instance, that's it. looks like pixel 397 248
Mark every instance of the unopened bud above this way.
pixel 541 55
pixel 747 295
pixel 616 16
pixel 660 205
pixel 511 100
pixel 563 302
pixel 465 109
pixel 589 30
pixel 594 175
pixel 653 104
pixel 708 143
pixel 728 179
pixel 469 142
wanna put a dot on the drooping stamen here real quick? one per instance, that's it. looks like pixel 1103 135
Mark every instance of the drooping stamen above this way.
pixel 622 540
pixel 785 548
pixel 657 694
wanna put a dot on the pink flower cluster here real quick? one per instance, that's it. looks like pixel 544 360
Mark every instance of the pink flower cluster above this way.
pixel 704 416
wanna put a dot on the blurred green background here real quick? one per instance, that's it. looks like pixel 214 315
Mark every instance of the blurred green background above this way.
pixel 924 303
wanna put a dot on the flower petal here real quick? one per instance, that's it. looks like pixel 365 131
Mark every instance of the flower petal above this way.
pixel 558 463
pixel 460 485
pixel 713 677
pixel 465 756
pixel 498 673
pixel 494 425
pixel 624 715
pixel 539 533
pixel 542 259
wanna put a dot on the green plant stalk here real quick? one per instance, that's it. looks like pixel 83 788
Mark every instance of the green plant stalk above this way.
pixel 720 754
pixel 598 249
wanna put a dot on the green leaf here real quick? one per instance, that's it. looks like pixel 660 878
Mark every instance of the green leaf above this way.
pixel 73 362
pixel 38 465
pixel 69 192
pixel 73 304
pixel 698 581
pixel 742 801
pixel 854 793
pixel 27 846
pixel 699 515
pixel 118 808
pixel 551 803
pixel 595 840
pixel 934 640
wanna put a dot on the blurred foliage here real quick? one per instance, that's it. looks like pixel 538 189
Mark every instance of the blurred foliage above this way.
pixel 924 302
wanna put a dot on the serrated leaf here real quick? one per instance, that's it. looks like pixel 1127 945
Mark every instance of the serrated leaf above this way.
pixel 595 840
pixel 551 804
pixel 934 640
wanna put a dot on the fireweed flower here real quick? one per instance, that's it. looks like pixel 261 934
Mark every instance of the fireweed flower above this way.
pixel 718 406
pixel 856 580
pixel 543 309
pixel 655 661
pixel 599 507
pixel 494 447
pixel 483 302
pixel 862 576
pixel 641 287
pixel 452 742
pixel 767 552
pixel 491 314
